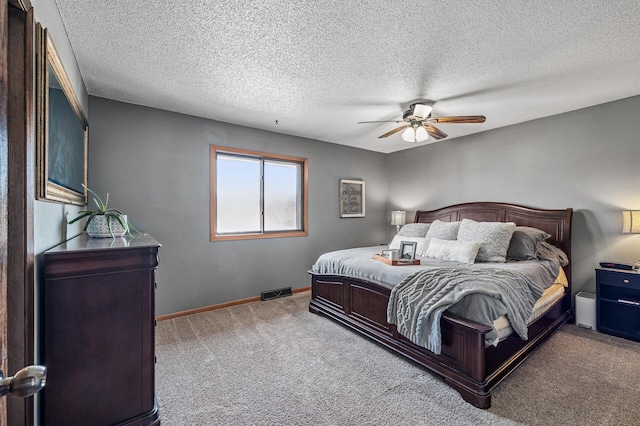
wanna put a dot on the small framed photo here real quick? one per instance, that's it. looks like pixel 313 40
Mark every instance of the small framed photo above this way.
pixel 407 250
pixel 351 198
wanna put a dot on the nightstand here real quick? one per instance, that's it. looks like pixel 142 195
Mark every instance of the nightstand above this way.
pixel 618 303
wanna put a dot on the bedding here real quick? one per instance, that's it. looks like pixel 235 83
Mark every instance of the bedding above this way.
pixel 502 326
pixel 359 263
pixel 546 251
pixel 443 230
pixel 524 243
pixel 453 250
pixel 417 303
pixel 414 230
pixel 494 238
pixel 481 308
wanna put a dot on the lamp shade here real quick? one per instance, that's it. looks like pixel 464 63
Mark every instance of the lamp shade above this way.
pixel 421 134
pixel 631 221
pixel 398 217
pixel 409 134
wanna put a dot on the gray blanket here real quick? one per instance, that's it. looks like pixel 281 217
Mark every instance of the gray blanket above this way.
pixel 417 303
pixel 478 307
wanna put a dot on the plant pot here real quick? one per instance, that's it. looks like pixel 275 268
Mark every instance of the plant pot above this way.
pixel 98 227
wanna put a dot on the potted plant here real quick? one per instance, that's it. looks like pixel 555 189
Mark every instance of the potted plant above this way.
pixel 104 222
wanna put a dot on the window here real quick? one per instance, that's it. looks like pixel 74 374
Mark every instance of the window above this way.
pixel 257 195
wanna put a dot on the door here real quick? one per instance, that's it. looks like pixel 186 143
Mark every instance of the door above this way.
pixel 17 188
pixel 4 153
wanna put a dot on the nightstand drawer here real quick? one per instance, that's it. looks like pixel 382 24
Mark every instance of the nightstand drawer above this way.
pixel 620 279
pixel 620 320
pixel 625 295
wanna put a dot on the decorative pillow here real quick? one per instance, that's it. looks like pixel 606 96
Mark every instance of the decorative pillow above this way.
pixel 421 246
pixel 414 230
pixel 455 251
pixel 524 243
pixel 493 236
pixel 443 230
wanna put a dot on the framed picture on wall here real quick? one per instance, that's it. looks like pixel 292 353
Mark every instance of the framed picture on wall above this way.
pixel 62 129
pixel 351 198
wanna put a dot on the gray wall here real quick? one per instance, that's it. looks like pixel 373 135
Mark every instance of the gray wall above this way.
pixel 49 222
pixel 587 160
pixel 155 165
pixel 50 227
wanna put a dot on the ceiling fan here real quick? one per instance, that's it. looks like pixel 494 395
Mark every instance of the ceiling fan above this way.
pixel 418 123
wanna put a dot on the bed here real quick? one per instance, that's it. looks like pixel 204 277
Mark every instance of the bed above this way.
pixel 466 362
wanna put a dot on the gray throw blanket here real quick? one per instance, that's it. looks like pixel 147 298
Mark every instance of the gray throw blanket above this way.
pixel 417 303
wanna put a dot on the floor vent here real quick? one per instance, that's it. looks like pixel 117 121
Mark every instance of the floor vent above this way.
pixel 274 294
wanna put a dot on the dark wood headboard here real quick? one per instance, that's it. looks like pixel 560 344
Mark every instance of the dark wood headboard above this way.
pixel 555 222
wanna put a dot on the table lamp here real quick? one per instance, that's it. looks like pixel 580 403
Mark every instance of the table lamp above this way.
pixel 631 225
pixel 398 218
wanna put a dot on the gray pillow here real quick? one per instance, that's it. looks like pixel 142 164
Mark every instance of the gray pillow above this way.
pixel 494 238
pixel 524 243
pixel 414 230
pixel 443 230
pixel 546 251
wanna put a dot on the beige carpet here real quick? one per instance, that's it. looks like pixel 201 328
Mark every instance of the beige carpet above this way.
pixel 274 363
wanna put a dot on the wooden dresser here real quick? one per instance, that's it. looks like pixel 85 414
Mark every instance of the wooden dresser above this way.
pixel 99 332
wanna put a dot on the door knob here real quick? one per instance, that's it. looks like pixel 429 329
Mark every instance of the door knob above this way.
pixel 26 382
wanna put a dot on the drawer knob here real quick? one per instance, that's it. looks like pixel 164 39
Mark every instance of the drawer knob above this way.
pixel 625 281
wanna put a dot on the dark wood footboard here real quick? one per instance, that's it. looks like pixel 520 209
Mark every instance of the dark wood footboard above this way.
pixel 465 363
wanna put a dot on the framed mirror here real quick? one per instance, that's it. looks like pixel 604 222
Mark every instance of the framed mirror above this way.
pixel 62 130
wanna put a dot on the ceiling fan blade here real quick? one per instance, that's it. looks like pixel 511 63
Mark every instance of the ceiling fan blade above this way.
pixel 458 119
pixel 396 130
pixel 434 132
pixel 385 121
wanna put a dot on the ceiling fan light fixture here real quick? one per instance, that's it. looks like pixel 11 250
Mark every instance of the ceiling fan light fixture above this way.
pixel 418 125
pixel 415 133
pixel 421 134
pixel 409 135
pixel 421 111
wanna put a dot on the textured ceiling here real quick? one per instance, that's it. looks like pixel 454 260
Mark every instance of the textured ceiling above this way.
pixel 319 67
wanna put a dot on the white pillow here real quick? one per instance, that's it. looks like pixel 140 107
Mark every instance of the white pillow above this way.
pixel 421 244
pixel 494 236
pixel 452 250
pixel 443 230
pixel 422 247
